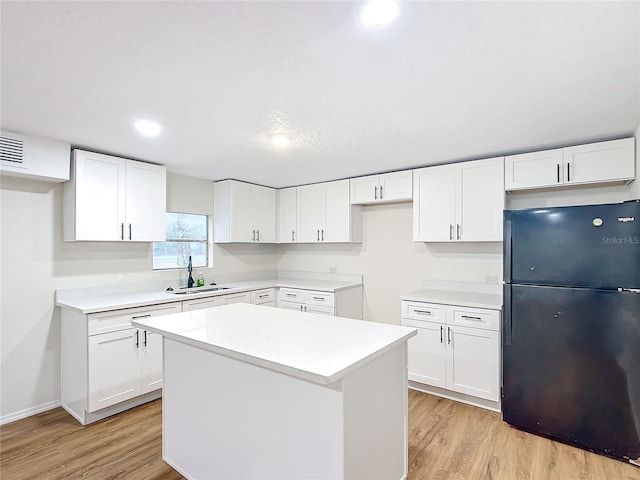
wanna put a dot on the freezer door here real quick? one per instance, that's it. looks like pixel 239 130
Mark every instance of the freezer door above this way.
pixel 571 367
pixel 596 246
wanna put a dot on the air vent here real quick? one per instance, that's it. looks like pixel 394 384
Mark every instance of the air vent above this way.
pixel 11 150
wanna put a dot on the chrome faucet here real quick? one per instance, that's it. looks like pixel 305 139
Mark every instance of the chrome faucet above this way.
pixel 190 269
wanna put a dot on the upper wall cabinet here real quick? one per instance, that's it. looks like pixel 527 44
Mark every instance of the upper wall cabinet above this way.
pixel 459 202
pixel 325 214
pixel 243 213
pixel 602 162
pixel 287 224
pixel 114 199
pixel 383 188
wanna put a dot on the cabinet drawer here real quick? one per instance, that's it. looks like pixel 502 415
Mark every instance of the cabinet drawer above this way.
pixel 199 304
pixel 262 296
pixel 428 312
pixel 236 298
pixel 115 320
pixel 320 298
pixel 292 295
pixel 475 317
pixel 323 310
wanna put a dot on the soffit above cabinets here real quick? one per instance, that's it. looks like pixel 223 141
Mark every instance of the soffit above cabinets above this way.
pixel 447 81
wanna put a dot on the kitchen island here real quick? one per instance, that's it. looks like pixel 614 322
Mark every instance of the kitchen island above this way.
pixel 257 392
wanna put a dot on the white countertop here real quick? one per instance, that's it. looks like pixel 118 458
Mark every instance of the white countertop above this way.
pixel 96 300
pixel 318 348
pixel 492 301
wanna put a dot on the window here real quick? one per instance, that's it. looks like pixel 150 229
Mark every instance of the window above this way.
pixel 187 234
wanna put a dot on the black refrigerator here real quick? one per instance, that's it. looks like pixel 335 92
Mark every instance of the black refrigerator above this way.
pixel 571 333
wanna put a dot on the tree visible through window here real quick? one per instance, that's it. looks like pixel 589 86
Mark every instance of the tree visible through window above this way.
pixel 187 234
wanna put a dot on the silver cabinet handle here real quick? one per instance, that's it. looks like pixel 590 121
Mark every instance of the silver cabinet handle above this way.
pixel 253 233
pixel 122 231
pixel 375 194
pixel 568 172
pixel 457 231
pixel 441 334
pixel 290 295
pixel 451 231
pixel 449 335
pixel 380 192
pixel 292 236
pixel 558 171
pixel 318 235
pixel 145 338
pixel 141 316
pixel 258 232
pixel 426 312
pixel 470 317
pixel 129 231
pixel 322 234
pixel 319 298
pixel 301 308
pixel 137 338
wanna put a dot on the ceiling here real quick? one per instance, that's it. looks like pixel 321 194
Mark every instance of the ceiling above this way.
pixel 447 81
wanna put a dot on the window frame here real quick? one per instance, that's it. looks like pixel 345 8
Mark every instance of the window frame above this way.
pixel 207 244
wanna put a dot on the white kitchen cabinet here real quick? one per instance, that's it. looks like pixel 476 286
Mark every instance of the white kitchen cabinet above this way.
pixel 325 214
pixel 383 188
pixel 287 215
pixel 107 365
pixel 457 348
pixel 342 303
pixel 265 297
pixel 200 303
pixel 244 297
pixel 459 202
pixel 114 199
pixel 243 213
pixel 601 162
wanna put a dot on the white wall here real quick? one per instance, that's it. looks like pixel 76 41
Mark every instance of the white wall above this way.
pixel 34 262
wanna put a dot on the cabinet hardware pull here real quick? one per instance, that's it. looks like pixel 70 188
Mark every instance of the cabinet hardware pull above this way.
pixel 318 298
pixel 129 231
pixel 375 195
pixel 122 231
pixel 449 335
pixel 322 234
pixel 305 308
pixel 380 192
pixel 470 317
pixel 426 312
pixel 558 171
pixel 258 238
pixel 137 338
pixel 441 334
pixel 253 233
pixel 292 236
pixel 318 235
pixel 145 338
pixel 457 231
pixel 301 308
pixel 568 172
pixel 141 316
pixel 451 231
pixel 290 294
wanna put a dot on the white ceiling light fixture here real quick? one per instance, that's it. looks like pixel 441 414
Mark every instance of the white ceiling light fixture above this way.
pixel 280 141
pixel 378 12
pixel 148 128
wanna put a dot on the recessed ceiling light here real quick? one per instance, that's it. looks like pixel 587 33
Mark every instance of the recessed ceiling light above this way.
pixel 148 128
pixel 379 12
pixel 280 141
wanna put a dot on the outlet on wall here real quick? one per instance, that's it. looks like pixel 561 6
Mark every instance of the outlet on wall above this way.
pixel 491 279
pixel 333 269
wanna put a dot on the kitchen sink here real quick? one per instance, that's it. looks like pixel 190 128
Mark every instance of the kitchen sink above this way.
pixel 191 291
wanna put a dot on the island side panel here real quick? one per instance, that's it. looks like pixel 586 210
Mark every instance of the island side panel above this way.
pixel 223 418
pixel 376 415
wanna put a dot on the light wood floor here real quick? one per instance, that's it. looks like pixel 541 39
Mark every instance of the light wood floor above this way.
pixel 447 440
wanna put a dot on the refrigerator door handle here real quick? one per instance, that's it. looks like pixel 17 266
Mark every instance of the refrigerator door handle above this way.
pixel 506 316
pixel 507 251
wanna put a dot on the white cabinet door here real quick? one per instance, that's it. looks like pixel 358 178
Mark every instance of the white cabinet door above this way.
pixel 97 194
pixel 337 216
pixel 600 162
pixel 396 186
pixel 150 358
pixel 146 203
pixel 427 356
pixel 534 170
pixel 299 307
pixel 242 226
pixel 434 204
pixel 287 215
pixel 263 206
pixel 473 362
pixel 311 209
pixel 113 369
pixel 365 189
pixel 482 200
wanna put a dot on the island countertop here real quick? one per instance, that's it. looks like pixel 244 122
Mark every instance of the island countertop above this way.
pixel 313 347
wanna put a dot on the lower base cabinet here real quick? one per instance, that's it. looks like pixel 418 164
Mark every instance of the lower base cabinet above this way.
pixel 456 348
pixel 108 365
pixel 342 303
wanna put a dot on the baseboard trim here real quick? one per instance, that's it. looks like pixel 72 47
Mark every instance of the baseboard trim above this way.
pixel 28 412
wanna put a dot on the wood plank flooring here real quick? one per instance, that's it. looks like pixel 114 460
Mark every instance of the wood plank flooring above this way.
pixel 447 440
